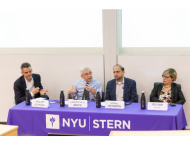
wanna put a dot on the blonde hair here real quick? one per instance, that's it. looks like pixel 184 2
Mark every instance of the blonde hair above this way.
pixel 172 72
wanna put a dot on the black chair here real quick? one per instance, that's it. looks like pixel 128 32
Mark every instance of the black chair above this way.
pixel 103 98
pixel 137 98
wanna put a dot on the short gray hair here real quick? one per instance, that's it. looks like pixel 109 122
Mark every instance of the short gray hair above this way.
pixel 25 65
pixel 83 68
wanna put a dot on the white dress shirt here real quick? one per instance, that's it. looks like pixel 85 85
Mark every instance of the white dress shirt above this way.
pixel 30 86
pixel 119 90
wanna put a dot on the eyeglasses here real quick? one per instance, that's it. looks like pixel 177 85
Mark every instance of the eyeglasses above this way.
pixel 165 77
pixel 88 74
pixel 116 72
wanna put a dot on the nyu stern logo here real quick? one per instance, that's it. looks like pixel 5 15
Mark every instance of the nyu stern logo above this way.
pixel 52 121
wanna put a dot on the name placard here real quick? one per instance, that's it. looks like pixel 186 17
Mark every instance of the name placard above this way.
pixel 77 103
pixel 40 103
pixel 157 106
pixel 114 104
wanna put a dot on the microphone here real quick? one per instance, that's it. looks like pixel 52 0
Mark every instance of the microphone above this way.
pixel 87 84
pixel 85 95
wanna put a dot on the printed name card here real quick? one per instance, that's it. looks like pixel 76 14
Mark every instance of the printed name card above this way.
pixel 40 103
pixel 77 103
pixel 114 104
pixel 157 106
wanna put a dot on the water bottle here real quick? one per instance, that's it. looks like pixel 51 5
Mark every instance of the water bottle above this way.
pixel 27 97
pixel 143 101
pixel 98 100
pixel 62 99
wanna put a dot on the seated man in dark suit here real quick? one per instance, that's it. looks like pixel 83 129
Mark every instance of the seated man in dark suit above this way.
pixel 121 88
pixel 30 81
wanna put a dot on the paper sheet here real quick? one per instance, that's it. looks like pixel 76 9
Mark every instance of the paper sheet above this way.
pixel 103 104
pixel 38 99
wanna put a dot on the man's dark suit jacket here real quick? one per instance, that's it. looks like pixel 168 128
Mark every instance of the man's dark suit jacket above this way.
pixel 20 88
pixel 176 93
pixel 129 93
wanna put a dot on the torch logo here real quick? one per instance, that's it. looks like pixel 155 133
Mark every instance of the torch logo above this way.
pixel 52 121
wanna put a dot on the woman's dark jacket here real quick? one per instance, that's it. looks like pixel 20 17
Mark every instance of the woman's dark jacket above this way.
pixel 176 93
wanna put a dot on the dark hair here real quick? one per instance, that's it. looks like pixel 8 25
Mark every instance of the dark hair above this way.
pixel 122 68
pixel 25 65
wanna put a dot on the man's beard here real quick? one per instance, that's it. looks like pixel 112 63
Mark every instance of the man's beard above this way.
pixel 119 78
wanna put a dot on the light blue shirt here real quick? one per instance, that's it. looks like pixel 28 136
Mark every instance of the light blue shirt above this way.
pixel 80 85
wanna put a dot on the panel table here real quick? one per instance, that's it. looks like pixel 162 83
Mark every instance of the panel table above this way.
pixel 92 120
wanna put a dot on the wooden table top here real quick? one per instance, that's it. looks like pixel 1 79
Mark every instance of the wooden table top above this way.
pixel 151 133
pixel 4 129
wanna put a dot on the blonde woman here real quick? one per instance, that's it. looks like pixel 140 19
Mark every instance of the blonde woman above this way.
pixel 168 91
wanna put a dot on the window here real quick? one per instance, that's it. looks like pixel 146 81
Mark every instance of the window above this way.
pixel 157 29
pixel 50 28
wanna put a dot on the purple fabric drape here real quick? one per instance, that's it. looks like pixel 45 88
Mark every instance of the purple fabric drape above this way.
pixel 94 121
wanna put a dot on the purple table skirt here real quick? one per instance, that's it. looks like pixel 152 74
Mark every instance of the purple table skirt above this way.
pixel 92 120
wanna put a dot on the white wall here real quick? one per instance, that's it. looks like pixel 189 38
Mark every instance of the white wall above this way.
pixel 146 70
pixel 60 71
pixel 57 72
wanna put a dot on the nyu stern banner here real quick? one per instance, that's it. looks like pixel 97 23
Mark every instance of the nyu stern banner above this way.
pixel 88 124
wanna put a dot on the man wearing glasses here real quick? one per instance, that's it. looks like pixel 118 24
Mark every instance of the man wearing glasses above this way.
pixel 86 88
pixel 121 88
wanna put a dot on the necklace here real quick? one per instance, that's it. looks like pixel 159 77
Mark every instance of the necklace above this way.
pixel 167 87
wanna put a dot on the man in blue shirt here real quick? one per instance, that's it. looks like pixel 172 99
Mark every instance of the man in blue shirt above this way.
pixel 88 83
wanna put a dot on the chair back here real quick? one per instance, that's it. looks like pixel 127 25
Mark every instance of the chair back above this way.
pixel 137 98
pixel 103 98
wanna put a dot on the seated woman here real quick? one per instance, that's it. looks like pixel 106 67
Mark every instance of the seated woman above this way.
pixel 168 91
